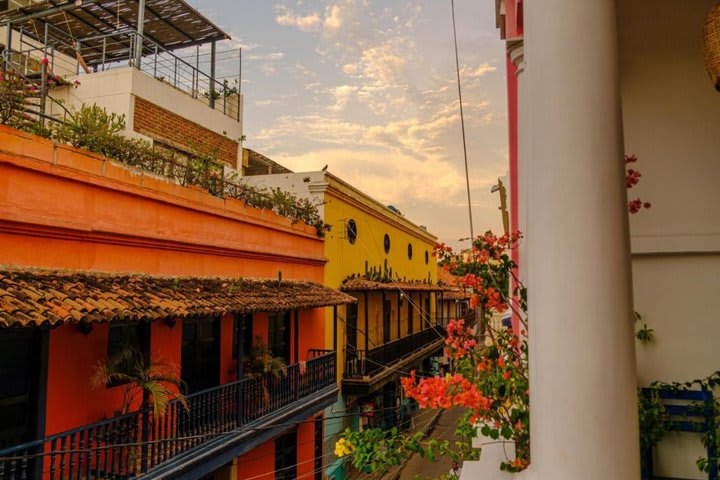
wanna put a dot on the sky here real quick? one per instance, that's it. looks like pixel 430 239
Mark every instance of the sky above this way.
pixel 368 87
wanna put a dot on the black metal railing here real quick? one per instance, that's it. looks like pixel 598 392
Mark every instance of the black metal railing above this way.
pixel 128 447
pixel 58 53
pixel 361 363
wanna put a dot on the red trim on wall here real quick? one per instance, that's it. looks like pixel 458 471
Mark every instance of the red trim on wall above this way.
pixel 512 95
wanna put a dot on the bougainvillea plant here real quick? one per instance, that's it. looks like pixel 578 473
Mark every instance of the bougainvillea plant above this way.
pixel 632 178
pixel 489 379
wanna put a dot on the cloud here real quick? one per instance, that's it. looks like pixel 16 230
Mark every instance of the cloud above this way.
pixel 268 69
pixel 480 71
pixel 350 68
pixel 273 56
pixel 390 178
pixel 333 18
pixel 342 95
pixel 305 23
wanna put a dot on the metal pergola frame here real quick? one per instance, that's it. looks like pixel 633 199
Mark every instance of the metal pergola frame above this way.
pixel 172 24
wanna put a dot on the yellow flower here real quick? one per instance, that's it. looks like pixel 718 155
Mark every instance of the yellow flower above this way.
pixel 343 447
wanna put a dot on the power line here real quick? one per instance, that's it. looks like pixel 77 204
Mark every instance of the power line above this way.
pixel 462 120
pixel 236 431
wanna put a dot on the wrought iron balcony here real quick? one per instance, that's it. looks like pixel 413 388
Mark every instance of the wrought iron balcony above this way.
pixel 361 363
pixel 143 445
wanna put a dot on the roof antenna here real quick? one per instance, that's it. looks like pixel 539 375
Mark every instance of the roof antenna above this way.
pixel 462 123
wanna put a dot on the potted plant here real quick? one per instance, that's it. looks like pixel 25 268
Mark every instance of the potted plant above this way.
pixel 154 382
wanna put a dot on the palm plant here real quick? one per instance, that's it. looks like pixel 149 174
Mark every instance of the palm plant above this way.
pixel 261 361
pixel 155 381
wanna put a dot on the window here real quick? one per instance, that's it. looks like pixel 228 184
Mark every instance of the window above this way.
pixel 135 336
pixel 410 251
pixel 128 335
pixel 242 329
pixel 20 368
pixel 200 354
pixel 351 231
pixel 286 460
pixel 279 335
pixel 427 257
pixel 386 243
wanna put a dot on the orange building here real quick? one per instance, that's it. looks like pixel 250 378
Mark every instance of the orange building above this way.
pixel 95 254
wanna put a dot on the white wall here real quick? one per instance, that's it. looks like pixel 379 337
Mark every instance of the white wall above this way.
pixel 310 185
pixel 672 118
pixel 115 89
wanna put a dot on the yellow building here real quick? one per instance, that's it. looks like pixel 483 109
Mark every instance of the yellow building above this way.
pixel 384 260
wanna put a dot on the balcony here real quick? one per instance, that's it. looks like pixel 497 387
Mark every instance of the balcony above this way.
pixel 367 371
pixel 219 424
pixel 115 53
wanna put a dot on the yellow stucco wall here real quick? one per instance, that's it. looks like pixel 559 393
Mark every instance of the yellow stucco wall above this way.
pixel 343 203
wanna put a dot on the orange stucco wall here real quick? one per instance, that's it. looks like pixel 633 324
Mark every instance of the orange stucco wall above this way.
pixel 306 449
pixel 63 208
pixel 258 464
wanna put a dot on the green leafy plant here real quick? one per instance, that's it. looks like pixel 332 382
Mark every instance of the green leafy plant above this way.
pixel 156 382
pixel 12 100
pixel 376 451
pixel 261 361
pixel 94 129
pixel 711 437
pixel 654 420
pixel 643 334
pixel 488 378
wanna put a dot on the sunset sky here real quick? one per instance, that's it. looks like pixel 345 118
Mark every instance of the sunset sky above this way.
pixel 368 88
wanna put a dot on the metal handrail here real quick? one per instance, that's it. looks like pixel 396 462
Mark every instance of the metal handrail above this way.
pixel 162 64
pixel 131 445
pixel 361 363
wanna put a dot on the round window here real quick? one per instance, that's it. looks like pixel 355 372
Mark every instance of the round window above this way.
pixel 409 251
pixel 351 232
pixel 427 257
pixel 386 243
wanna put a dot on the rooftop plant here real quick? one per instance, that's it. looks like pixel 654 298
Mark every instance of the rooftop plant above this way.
pixel 94 129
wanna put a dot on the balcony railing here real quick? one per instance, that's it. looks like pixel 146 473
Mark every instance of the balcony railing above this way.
pixel 133 445
pixel 361 363
pixel 220 88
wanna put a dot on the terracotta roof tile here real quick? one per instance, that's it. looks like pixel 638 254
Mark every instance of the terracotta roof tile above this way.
pixel 361 284
pixel 30 297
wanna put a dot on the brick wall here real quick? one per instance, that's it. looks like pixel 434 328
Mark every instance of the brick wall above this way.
pixel 181 133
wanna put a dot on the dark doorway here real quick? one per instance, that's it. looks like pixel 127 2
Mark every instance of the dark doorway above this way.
pixel 286 457
pixel 20 364
pixel 351 327
pixel 200 363
pixel 279 335
pixel 386 312
pixel 427 310
pixel 389 406
pixel 411 316
pixel 242 334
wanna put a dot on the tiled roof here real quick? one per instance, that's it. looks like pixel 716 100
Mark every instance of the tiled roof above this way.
pixel 455 294
pixel 361 284
pixel 447 278
pixel 452 286
pixel 33 297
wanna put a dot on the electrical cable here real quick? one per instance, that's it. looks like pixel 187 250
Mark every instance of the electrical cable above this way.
pixel 236 431
pixel 462 120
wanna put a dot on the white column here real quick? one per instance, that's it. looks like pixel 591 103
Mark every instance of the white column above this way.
pixel 517 56
pixel 582 360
